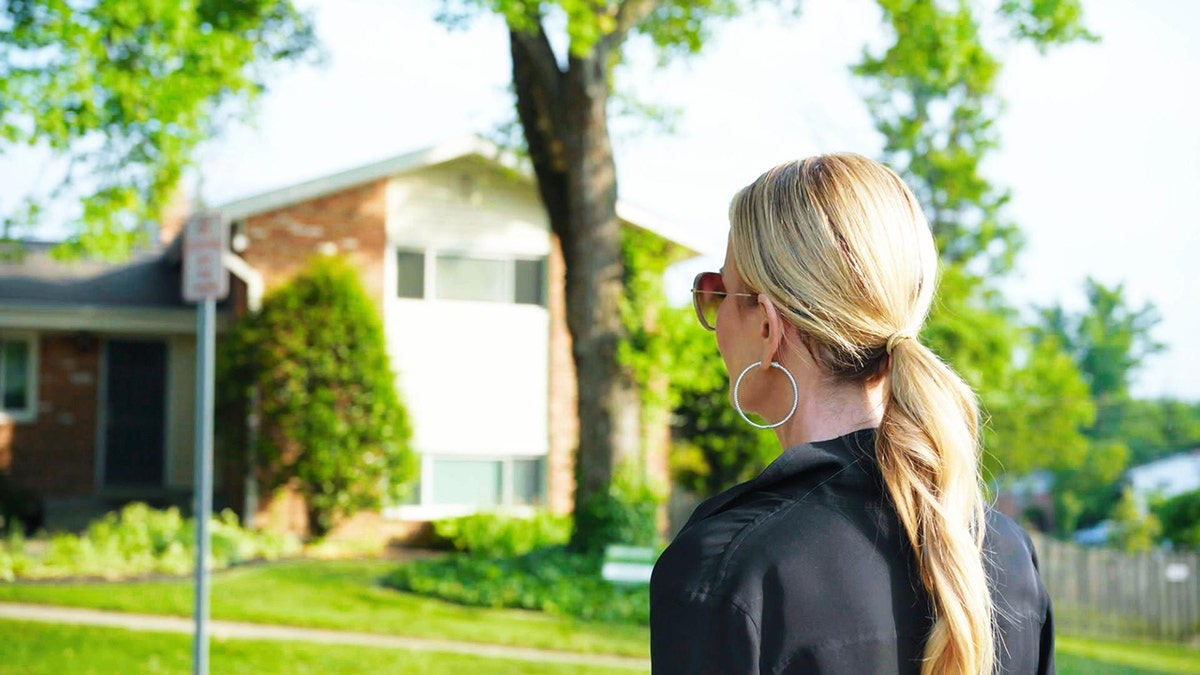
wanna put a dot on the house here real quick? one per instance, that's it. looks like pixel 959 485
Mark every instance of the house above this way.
pixel 1027 499
pixel 1031 497
pixel 454 247
pixel 1166 477
pixel 98 382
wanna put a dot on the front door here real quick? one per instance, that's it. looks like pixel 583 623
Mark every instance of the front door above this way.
pixel 135 403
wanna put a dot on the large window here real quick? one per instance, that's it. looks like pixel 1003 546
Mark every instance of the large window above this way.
pixel 468 482
pixel 453 276
pixel 485 483
pixel 17 362
pixel 463 278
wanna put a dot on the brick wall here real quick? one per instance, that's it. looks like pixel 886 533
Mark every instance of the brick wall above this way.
pixel 174 215
pixel 55 455
pixel 351 223
pixel 563 394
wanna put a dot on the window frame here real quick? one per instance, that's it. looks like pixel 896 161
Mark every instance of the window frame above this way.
pixel 425 508
pixel 431 257
pixel 30 412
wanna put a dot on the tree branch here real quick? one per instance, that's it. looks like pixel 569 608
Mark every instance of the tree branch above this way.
pixel 539 55
pixel 538 84
pixel 629 14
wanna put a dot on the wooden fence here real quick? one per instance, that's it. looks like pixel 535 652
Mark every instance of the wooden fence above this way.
pixel 1106 593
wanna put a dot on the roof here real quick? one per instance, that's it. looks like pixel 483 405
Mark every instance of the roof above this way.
pixel 146 279
pixel 1169 462
pixel 469 146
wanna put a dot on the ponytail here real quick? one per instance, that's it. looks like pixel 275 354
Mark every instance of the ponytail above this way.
pixel 928 450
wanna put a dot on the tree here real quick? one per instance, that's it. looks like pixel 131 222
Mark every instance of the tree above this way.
pixel 1108 342
pixel 1156 428
pixel 126 90
pixel 562 103
pixel 933 98
pixel 333 427
pixel 714 448
pixel 1133 530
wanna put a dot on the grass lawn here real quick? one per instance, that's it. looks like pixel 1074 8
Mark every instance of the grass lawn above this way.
pixel 1100 657
pixel 346 595
pixel 342 595
pixel 52 649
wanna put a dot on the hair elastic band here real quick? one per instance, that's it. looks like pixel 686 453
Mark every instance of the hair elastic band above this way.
pixel 896 339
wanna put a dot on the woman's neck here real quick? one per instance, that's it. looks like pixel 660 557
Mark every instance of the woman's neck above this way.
pixel 832 411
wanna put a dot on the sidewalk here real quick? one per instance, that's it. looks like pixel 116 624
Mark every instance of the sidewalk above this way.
pixel 236 630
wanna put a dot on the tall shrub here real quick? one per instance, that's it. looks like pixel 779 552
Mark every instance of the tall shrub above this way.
pixel 332 424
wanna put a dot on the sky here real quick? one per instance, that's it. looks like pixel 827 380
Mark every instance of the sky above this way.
pixel 1100 142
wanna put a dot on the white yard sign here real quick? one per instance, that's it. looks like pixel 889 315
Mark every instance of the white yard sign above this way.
pixel 204 242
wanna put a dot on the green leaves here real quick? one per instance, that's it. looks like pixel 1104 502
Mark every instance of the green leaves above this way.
pixel 1180 519
pixel 1133 531
pixel 933 99
pixel 1047 22
pixel 137 541
pixel 550 579
pixel 127 89
pixel 495 535
pixel 1110 341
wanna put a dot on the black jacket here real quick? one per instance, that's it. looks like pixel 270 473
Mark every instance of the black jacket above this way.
pixel 806 569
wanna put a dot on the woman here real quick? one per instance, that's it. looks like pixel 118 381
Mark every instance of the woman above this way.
pixel 866 547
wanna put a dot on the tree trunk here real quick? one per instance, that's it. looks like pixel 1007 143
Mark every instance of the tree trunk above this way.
pixel 563 114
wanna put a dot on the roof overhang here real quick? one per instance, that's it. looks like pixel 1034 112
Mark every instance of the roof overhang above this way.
pixel 125 320
pixel 469 146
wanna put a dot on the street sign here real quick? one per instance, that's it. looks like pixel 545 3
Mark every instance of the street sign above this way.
pixel 205 280
pixel 205 241
pixel 628 564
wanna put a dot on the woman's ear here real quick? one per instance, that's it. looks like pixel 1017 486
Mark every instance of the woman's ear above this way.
pixel 771 331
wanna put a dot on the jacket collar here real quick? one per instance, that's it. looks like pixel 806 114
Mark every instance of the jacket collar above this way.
pixel 833 457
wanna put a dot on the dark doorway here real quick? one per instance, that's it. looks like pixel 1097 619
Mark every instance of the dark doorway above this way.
pixel 135 404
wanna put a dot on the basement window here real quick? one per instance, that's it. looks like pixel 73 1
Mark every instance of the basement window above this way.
pixel 18 357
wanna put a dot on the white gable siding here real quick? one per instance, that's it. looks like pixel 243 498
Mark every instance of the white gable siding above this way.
pixel 467 207
pixel 474 375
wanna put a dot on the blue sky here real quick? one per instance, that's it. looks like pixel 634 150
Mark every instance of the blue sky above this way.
pixel 1101 143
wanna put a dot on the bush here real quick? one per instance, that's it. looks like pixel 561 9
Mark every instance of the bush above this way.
pixel 333 425
pixel 550 579
pixel 500 535
pixel 137 541
pixel 1180 516
pixel 1133 531
pixel 627 513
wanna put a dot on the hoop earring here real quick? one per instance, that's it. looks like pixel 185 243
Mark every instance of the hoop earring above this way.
pixel 795 395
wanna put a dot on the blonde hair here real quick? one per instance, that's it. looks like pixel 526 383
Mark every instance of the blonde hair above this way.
pixel 839 244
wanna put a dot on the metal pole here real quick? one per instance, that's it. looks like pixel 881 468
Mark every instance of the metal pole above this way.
pixel 205 339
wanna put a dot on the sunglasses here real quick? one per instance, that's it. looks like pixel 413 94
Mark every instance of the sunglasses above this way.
pixel 708 290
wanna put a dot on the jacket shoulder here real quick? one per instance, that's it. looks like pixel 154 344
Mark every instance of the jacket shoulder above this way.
pixel 1011 562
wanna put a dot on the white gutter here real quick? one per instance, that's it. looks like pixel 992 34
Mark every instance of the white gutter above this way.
pixel 250 276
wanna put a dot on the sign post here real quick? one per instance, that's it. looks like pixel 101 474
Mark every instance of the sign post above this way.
pixel 205 281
